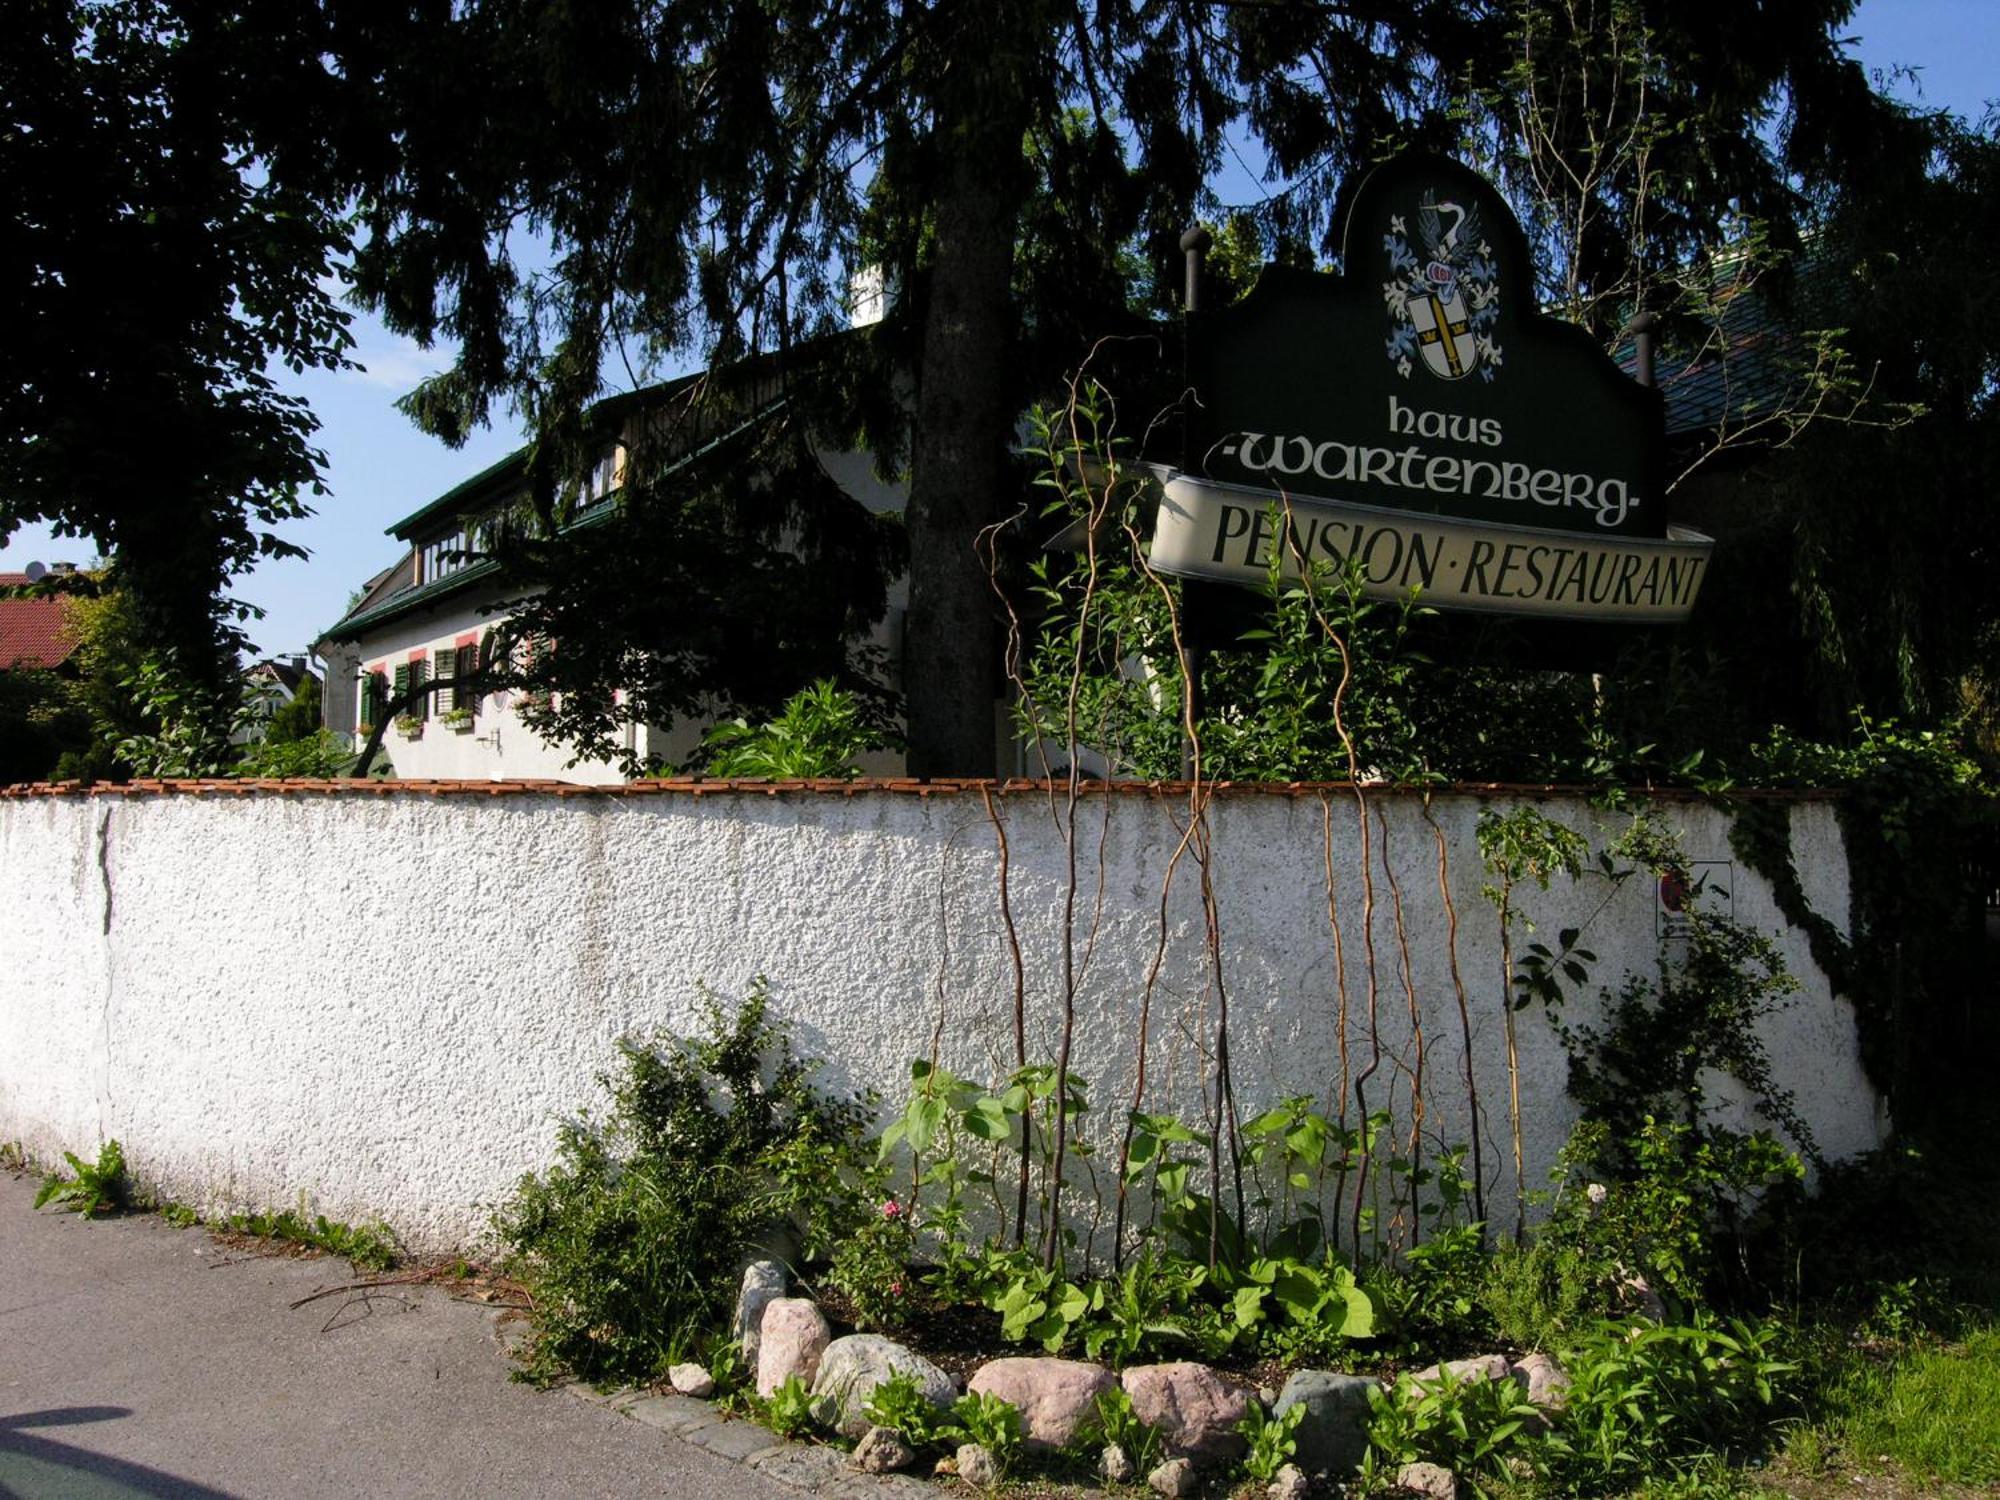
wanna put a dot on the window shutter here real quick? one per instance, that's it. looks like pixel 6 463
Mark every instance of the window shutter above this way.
pixel 421 707
pixel 465 661
pixel 402 687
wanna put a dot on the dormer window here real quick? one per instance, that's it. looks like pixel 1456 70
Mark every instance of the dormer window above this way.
pixel 442 556
pixel 607 475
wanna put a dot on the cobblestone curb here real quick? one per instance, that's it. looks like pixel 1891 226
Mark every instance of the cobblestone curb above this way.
pixel 808 1467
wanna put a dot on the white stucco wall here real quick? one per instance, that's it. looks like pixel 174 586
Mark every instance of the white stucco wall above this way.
pixel 383 1001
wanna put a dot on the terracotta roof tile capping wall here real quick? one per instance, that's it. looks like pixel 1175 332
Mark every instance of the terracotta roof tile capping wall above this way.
pixel 698 787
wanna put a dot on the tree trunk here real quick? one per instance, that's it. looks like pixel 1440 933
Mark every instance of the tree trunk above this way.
pixel 965 402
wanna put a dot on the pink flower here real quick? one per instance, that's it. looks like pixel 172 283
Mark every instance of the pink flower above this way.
pixel 891 1209
pixel 895 1289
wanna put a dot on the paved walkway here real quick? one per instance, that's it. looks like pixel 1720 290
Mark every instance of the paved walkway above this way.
pixel 134 1361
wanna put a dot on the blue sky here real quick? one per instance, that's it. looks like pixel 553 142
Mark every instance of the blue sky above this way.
pixel 379 468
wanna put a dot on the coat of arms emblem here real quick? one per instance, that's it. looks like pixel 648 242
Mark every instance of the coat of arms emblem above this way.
pixel 1446 300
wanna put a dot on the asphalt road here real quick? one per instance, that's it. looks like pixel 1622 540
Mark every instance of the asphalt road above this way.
pixel 141 1360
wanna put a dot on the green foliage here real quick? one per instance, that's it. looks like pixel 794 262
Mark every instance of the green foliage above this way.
pixel 872 1266
pixel 189 722
pixel 321 755
pixel 1436 1298
pixel 1648 1399
pixel 1537 1291
pixel 96 1188
pixel 995 1424
pixel 1935 1410
pixel 1115 1421
pixel 1273 1440
pixel 297 718
pixel 714 1145
pixel 1661 1037
pixel 817 735
pixel 900 1405
pixel 371 1247
pixel 1478 1428
pixel 787 1411
pixel 1655 1204
pixel 1527 845
pixel 133 151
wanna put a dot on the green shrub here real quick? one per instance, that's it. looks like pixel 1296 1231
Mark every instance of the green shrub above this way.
pixel 715 1146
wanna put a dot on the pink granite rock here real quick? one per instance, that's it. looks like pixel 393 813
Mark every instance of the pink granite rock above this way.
pixel 1195 1409
pixel 1054 1396
pixel 793 1336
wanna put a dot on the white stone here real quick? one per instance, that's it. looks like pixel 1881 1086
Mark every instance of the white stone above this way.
pixel 1175 1479
pixel 1428 1479
pixel 763 1284
pixel 1290 1484
pixel 692 1380
pixel 881 1451
pixel 852 1367
pixel 977 1466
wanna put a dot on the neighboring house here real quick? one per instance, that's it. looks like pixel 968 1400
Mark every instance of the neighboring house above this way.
pixel 269 685
pixel 35 634
pixel 431 613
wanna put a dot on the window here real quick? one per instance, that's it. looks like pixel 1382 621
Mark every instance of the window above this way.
pixel 605 476
pixel 420 705
pixel 373 697
pixel 465 662
pixel 445 555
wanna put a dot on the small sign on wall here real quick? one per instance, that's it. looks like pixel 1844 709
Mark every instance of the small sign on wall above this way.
pixel 1700 883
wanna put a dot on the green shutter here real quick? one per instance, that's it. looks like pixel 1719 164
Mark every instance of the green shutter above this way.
pixel 419 675
pixel 465 662
pixel 402 687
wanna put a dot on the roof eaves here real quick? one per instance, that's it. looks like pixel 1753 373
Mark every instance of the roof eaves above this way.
pixel 405 602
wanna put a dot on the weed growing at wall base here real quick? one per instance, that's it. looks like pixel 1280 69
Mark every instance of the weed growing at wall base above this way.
pixel 98 1187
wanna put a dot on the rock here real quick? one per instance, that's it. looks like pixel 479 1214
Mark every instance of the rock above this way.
pixel 794 1336
pixel 1054 1396
pixel 1175 1479
pixel 1547 1382
pixel 1428 1479
pixel 1333 1435
pixel 1479 1367
pixel 763 1283
pixel 1195 1409
pixel 1115 1466
pixel 881 1451
pixel 977 1466
pixel 691 1380
pixel 1638 1296
pixel 852 1367
pixel 1290 1484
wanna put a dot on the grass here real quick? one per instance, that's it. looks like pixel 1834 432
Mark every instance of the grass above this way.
pixel 1935 1411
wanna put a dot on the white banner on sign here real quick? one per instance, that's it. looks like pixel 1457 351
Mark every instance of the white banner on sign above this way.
pixel 1230 532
